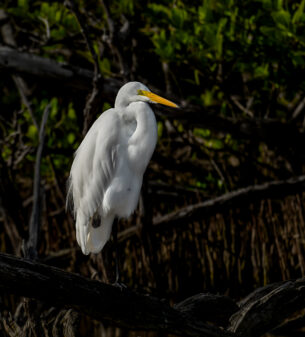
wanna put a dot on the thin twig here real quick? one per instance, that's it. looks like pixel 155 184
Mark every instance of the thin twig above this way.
pixel 249 194
pixel 94 99
pixel 31 247
pixel 108 18
pixel 241 107
pixel 298 109
pixel 116 40
pixel 70 4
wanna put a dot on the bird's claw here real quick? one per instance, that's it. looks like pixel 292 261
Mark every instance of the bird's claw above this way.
pixel 120 285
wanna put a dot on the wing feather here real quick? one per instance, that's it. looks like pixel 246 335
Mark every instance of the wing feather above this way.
pixel 92 170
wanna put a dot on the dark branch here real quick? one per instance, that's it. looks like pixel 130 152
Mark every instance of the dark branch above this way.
pixel 46 69
pixel 85 32
pixel 273 189
pixel 117 39
pixel 213 308
pixel 31 246
pixel 265 310
pixel 242 196
pixel 101 301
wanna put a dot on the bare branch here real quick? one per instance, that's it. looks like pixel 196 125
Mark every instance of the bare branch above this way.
pixel 116 40
pixel 267 308
pixel 261 311
pixel 273 189
pixel 46 69
pixel 241 107
pixel 121 307
pixel 85 32
pixel 299 108
pixel 31 247
pixel 94 100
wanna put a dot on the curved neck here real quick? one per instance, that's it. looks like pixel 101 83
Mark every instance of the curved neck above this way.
pixel 143 141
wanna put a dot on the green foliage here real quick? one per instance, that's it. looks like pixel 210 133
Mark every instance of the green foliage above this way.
pixel 235 59
pixel 209 41
pixel 214 50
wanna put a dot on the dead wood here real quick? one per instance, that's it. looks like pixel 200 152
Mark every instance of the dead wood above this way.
pixel 34 227
pixel 121 307
pixel 268 308
pixel 262 311
pixel 243 196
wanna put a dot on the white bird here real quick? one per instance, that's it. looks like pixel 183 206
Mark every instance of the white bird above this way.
pixel 107 171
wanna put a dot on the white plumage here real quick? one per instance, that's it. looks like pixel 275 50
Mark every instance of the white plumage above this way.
pixel 107 171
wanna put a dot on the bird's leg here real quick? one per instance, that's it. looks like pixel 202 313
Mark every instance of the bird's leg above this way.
pixel 117 282
pixel 115 243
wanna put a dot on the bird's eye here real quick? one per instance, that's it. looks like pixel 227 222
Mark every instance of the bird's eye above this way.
pixel 141 92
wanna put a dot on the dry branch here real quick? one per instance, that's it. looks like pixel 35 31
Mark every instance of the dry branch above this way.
pixel 263 310
pixel 18 62
pixel 116 40
pixel 31 247
pixel 101 301
pixel 268 308
pixel 242 196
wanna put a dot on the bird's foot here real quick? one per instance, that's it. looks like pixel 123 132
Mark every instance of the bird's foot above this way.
pixel 120 285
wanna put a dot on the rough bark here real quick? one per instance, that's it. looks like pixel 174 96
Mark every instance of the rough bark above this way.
pixel 119 306
pixel 268 308
pixel 263 310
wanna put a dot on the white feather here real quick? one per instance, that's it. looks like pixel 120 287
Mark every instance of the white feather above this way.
pixel 107 171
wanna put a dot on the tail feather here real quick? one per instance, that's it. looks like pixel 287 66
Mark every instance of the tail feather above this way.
pixel 82 232
pixel 97 237
pixel 91 239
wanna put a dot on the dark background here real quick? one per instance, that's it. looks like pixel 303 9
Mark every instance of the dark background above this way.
pixel 237 68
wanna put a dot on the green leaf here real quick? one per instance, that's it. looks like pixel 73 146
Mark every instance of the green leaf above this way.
pixel 105 66
pixel 282 17
pixel 71 138
pixel 71 112
pixel 32 132
pixel 196 76
pixel 178 17
pixel 54 107
pixel 106 106
pixel 261 71
pixel 299 12
pixel 160 129
pixel 24 4
pixel 207 98
pixel 204 133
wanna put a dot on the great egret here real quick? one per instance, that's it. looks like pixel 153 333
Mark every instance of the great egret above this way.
pixel 107 171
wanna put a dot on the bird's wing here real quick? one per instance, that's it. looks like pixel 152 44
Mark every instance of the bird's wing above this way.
pixel 94 165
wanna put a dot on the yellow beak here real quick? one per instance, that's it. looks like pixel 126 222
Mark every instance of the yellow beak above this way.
pixel 158 99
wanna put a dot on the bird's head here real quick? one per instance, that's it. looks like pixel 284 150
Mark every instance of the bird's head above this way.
pixel 138 92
